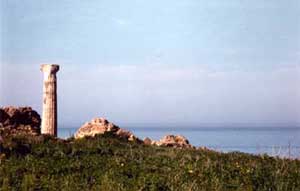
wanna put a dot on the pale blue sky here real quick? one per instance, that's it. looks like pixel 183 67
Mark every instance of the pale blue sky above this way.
pixel 156 62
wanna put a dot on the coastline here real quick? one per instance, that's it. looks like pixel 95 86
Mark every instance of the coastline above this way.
pixel 259 141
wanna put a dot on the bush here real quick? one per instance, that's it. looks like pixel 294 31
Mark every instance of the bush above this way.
pixel 108 163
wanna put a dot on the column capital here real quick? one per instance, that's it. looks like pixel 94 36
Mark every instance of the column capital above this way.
pixel 49 68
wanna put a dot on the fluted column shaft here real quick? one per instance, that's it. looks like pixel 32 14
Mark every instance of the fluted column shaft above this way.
pixel 49 119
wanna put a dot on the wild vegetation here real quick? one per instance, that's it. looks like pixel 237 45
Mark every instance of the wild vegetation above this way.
pixel 109 163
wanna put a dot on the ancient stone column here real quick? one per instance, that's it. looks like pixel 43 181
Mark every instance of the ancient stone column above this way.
pixel 49 119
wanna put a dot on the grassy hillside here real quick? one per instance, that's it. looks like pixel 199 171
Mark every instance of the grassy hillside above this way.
pixel 108 163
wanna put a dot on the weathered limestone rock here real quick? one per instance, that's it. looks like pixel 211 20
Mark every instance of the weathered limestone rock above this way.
pixel 96 126
pixel 101 126
pixel 15 120
pixel 49 121
pixel 147 141
pixel 176 141
pixel 126 134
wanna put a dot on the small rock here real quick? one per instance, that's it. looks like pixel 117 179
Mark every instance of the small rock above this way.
pixel 123 133
pixel 147 141
pixel 177 141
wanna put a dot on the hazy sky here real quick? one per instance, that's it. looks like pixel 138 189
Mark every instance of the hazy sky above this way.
pixel 170 62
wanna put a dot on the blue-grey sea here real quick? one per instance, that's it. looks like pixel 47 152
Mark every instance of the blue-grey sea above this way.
pixel 283 142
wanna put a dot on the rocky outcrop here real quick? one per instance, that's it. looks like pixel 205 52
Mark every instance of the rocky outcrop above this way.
pixel 101 126
pixel 16 120
pixel 176 141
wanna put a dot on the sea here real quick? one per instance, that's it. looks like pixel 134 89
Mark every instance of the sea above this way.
pixel 281 142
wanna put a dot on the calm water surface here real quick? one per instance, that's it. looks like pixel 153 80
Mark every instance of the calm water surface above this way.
pixel 284 142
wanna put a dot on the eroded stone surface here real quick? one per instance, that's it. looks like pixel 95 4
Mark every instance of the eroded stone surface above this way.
pixel 177 141
pixel 147 141
pixel 16 120
pixel 100 126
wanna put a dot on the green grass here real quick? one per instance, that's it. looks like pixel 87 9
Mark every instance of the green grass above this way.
pixel 108 163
